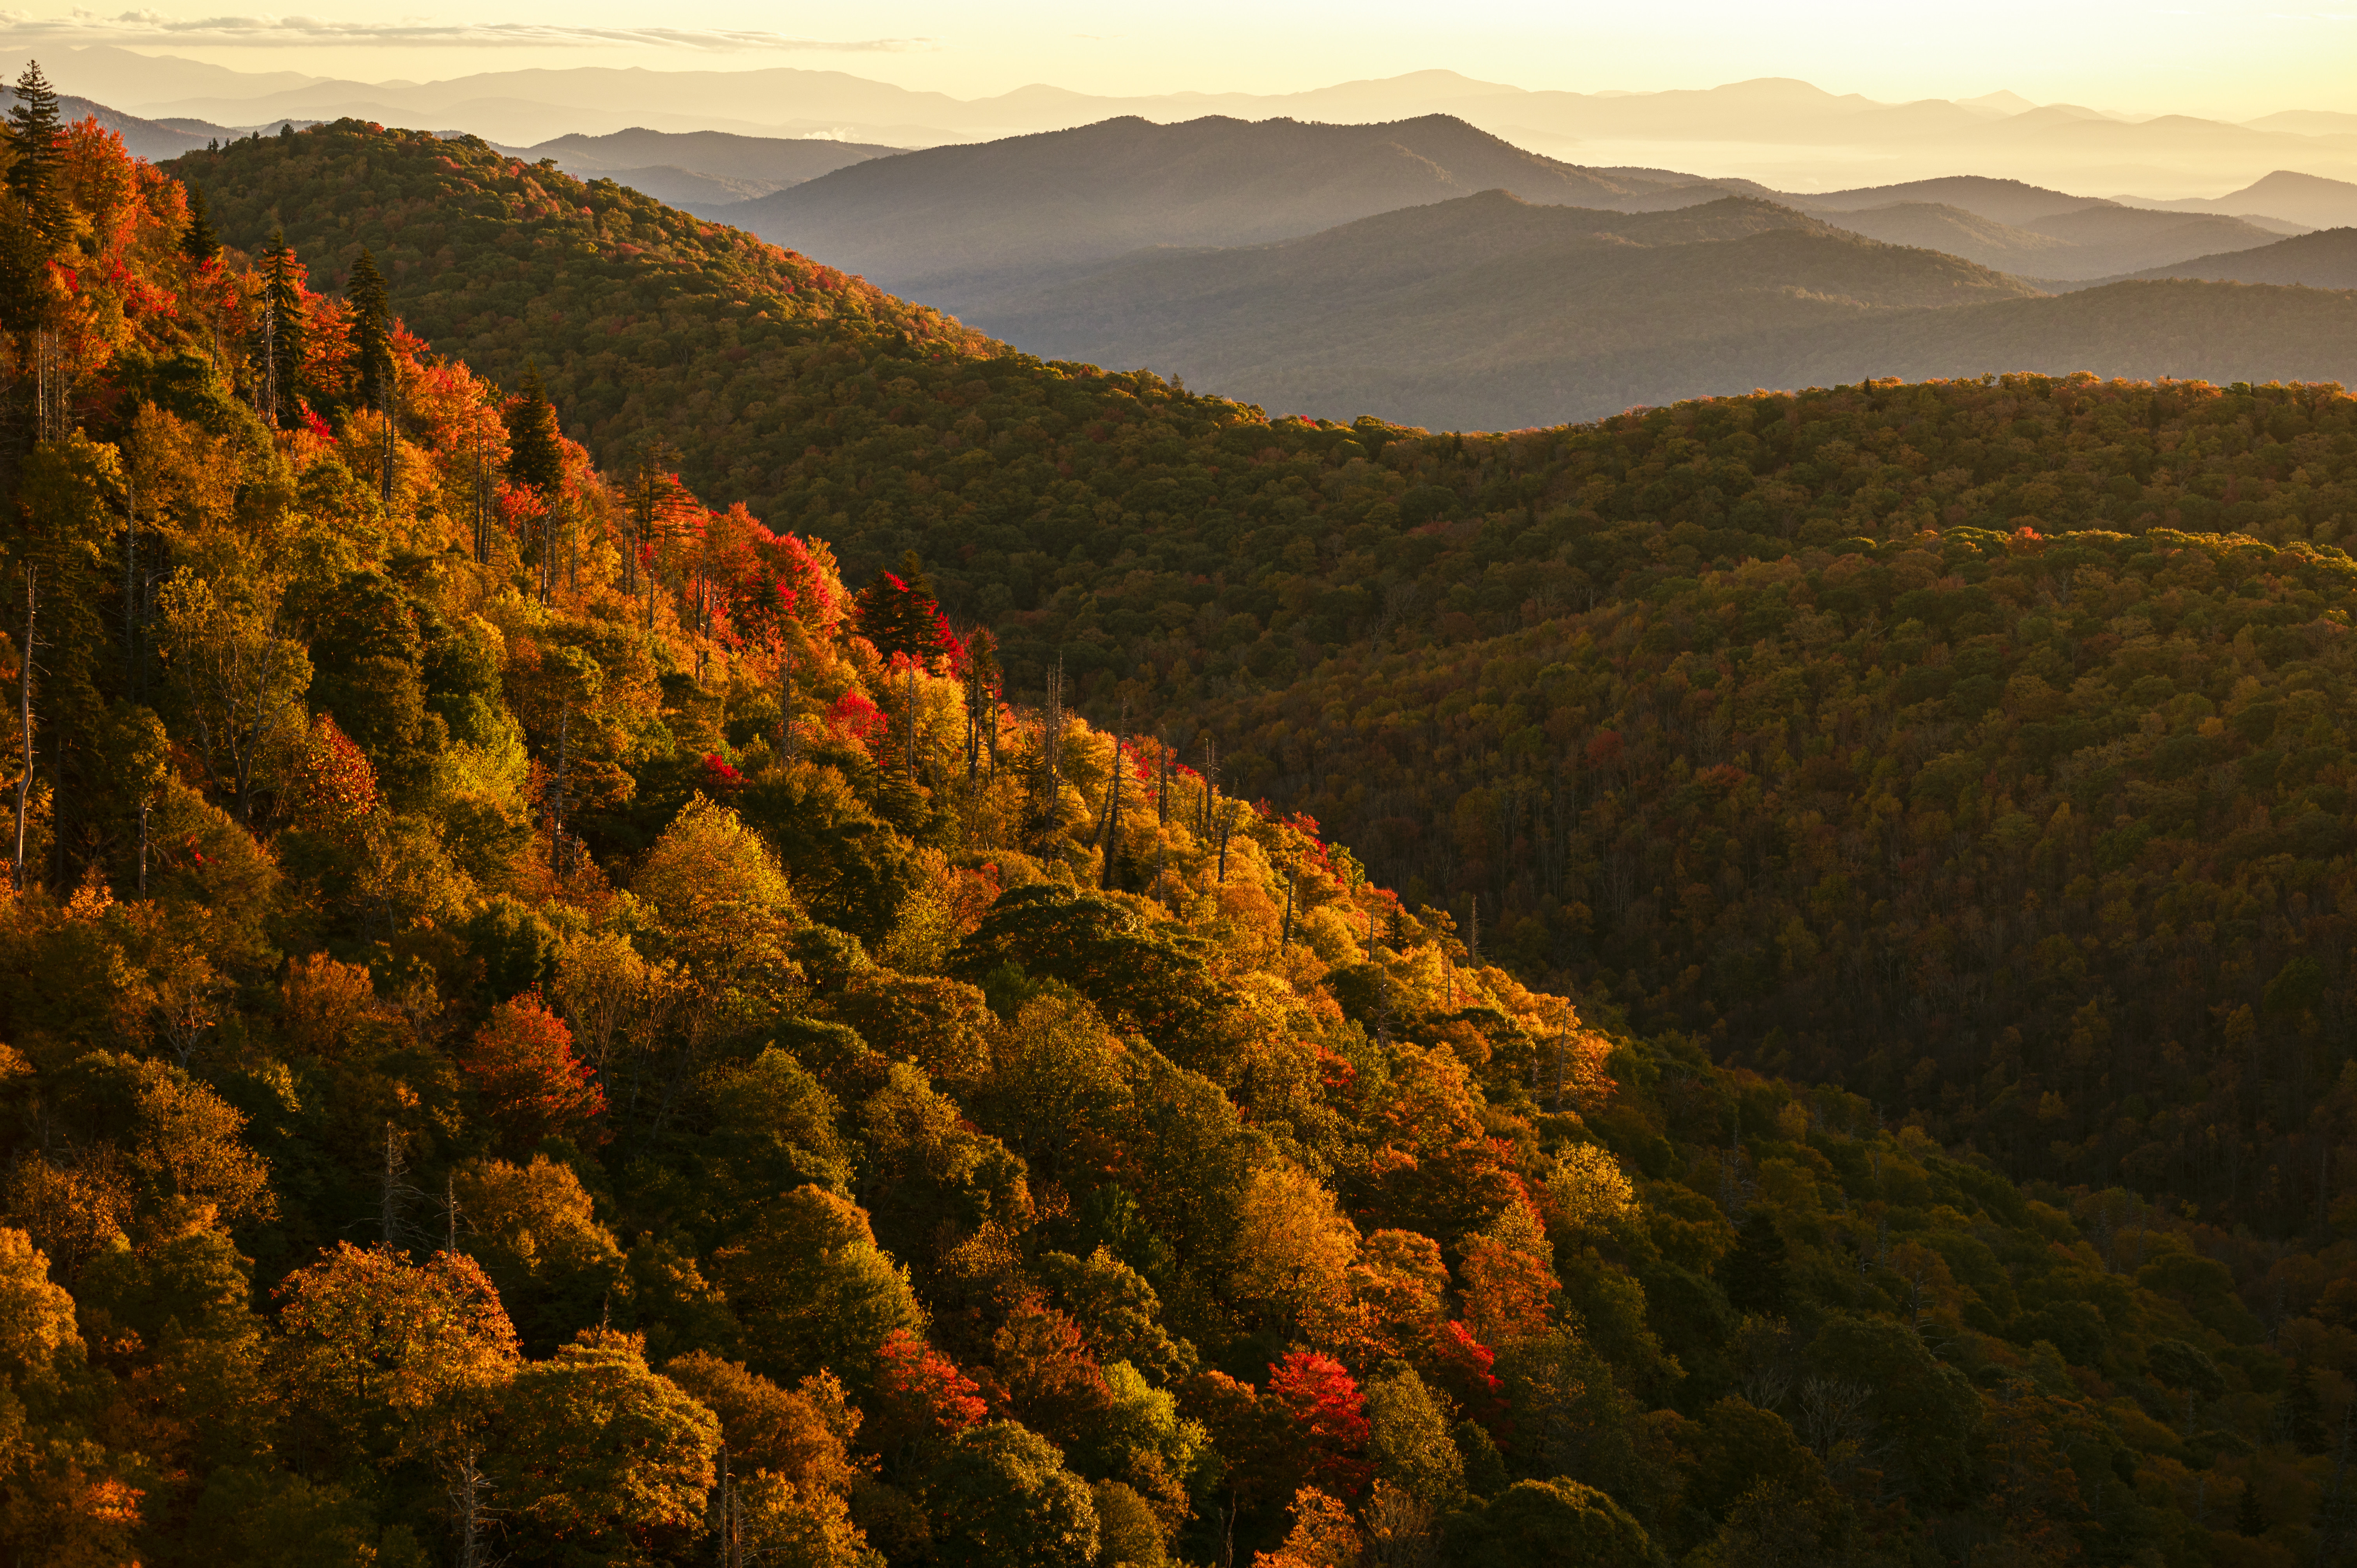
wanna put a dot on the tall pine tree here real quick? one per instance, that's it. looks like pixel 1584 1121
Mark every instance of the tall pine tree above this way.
pixel 197 240
pixel 280 352
pixel 371 335
pixel 898 614
pixel 534 460
pixel 33 133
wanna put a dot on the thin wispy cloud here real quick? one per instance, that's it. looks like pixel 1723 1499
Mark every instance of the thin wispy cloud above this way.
pixel 154 28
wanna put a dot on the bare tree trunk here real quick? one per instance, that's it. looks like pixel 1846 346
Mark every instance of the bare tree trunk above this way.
pixel 24 720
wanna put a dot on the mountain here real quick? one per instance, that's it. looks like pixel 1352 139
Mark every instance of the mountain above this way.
pixel 1487 311
pixel 519 985
pixel 948 222
pixel 1491 313
pixel 2326 259
pixel 2008 201
pixel 753 165
pixel 2090 241
pixel 142 138
pixel 1778 131
pixel 2307 200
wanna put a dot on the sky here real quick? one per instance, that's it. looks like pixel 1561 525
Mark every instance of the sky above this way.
pixel 2234 61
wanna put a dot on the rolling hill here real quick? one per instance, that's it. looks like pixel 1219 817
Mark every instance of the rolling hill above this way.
pixel 1491 312
pixel 2309 201
pixel 2026 229
pixel 949 222
pixel 703 169
pixel 2327 259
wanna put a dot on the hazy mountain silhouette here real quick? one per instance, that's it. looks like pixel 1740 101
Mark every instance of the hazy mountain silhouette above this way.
pixel 2307 199
pixel 2327 259
pixel 749 166
pixel 951 223
pixel 2094 240
pixel 1490 312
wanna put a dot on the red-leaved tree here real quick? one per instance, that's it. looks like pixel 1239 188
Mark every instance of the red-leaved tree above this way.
pixel 922 1399
pixel 1316 1397
pixel 522 1069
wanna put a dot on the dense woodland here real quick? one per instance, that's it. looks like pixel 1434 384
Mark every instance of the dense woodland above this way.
pixel 541 1026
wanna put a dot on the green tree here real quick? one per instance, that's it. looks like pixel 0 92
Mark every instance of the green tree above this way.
pixel 534 458
pixel 370 330
pixel 1545 1523
pixel 599 1460
pixel 1000 1498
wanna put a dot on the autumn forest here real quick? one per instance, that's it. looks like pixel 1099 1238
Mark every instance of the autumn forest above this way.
pixel 663 909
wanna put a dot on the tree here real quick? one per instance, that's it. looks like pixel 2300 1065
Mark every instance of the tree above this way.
pixel 1753 1273
pixel 1054 1385
pixel 921 1401
pixel 384 1361
pixel 1000 1498
pixel 535 460
pixel 531 1085
pixel 238 674
pixel 197 240
pixel 370 330
pixel 599 1460
pixel 1408 1440
pixel 534 1231
pixel 1536 1524
pixel 34 134
pixel 1317 1401
pixel 898 614
pixel 813 1290
pixel 281 351
pixel 1293 1247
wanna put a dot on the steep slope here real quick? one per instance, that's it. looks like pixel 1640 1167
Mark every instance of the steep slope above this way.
pixel 2324 260
pixel 652 1039
pixel 1488 311
pixel 510 264
pixel 950 222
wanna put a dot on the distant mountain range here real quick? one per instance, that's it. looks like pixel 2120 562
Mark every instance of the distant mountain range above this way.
pixel 1431 272
pixel 2327 259
pixel 975 228
pixel 1487 312
pixel 1783 133
pixel 701 171
pixel 954 225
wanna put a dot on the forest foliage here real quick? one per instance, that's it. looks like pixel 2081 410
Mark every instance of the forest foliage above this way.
pixel 541 1026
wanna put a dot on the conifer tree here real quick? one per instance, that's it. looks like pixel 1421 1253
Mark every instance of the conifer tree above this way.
pixel 33 131
pixel 197 241
pixel 898 614
pixel 280 352
pixel 534 460
pixel 371 334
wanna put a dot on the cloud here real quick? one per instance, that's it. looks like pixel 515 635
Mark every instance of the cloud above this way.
pixel 154 28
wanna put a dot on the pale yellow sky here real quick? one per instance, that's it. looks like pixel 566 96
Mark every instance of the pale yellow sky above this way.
pixel 2223 60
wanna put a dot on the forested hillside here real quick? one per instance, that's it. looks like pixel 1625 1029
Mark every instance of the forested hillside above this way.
pixel 541 1026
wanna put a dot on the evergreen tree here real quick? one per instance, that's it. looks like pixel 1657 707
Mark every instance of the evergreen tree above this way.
pixel 197 241
pixel 371 334
pixel 280 352
pixel 534 458
pixel 1753 1273
pixel 32 134
pixel 898 614
pixel 2250 1519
